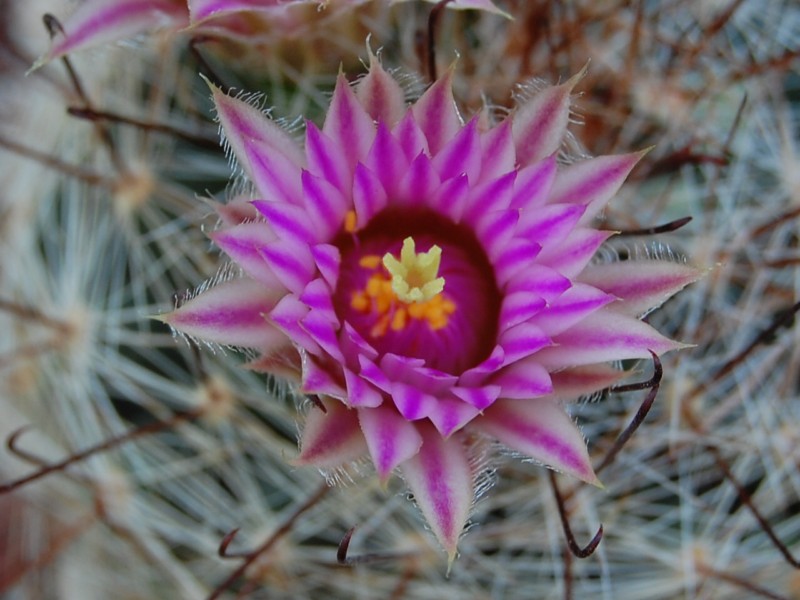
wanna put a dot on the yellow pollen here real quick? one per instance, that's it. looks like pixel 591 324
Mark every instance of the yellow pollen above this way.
pixel 414 276
pixel 370 261
pixel 399 320
pixel 350 221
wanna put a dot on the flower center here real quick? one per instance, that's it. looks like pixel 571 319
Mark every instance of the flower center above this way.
pixel 414 276
pixel 397 299
pixel 405 291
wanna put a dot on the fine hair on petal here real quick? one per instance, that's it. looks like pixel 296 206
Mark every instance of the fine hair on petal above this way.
pixel 226 272
pixel 349 474
pixel 571 150
pixel 481 457
pixel 617 250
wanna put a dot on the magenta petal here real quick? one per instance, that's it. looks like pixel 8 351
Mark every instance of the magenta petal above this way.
pixel 380 94
pixel 541 281
pixel 523 380
pixel 355 346
pixel 267 154
pixel 498 154
pixel 325 204
pixel 640 285
pixel 604 336
pixel 360 392
pixel 540 429
pixel 331 439
pixel 540 124
pixel 326 160
pixel 348 124
pixel 231 313
pixel 236 211
pixel 413 372
pixel 319 380
pixel 317 296
pixel 571 307
pixel 521 341
pixel 375 375
pixel 98 22
pixel 450 199
pixel 287 315
pixel 287 220
pixel 401 368
pixel 281 362
pixel 291 262
pixel 328 259
pixel 369 197
pixel 276 177
pixel 573 253
pixel 518 256
pixel 518 307
pixel 495 230
pixel 450 415
pixel 390 438
pixel 461 155
pixel 324 333
pixel 412 403
pixel 436 113
pixel 243 122
pixel 550 223
pixel 244 243
pixel 388 160
pixel 410 137
pixel 489 196
pixel 434 381
pixel 476 375
pixel 478 397
pixel 592 183
pixel 533 183
pixel 570 384
pixel 419 183
pixel 442 482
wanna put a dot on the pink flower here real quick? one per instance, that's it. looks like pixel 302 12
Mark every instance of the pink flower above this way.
pixel 430 281
pixel 97 22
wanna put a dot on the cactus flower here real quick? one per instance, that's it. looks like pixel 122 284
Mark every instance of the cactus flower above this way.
pixel 431 281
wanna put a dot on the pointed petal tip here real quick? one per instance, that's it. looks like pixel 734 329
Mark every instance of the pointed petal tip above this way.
pixel 645 151
pixel 451 557
pixel 451 68
pixel 592 479
pixel 38 64
pixel 297 461
pixel 163 317
pixel 209 83
pixel 586 475
pixel 573 81
pixel 638 155
pixel 442 480
pixel 683 346
pixel 673 346
pixel 300 461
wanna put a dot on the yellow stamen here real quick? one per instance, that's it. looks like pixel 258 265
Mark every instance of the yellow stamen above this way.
pixel 370 261
pixel 414 276
pixel 399 320
pixel 350 221
pixel 360 301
